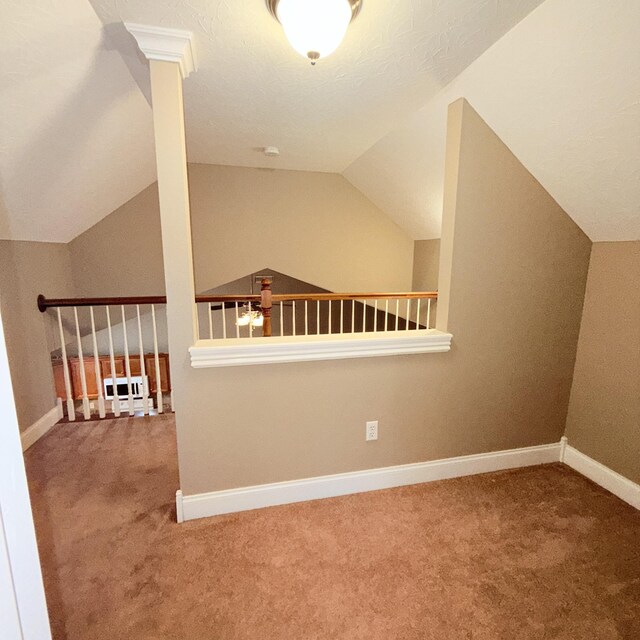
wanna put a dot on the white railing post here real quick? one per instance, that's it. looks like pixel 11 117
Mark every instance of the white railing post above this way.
pixel 86 409
pixel 127 362
pixel 281 318
pixel 418 315
pixel 143 366
pixel 156 358
pixel 428 313
pixel 224 322
pixel 386 314
pixel 115 403
pixel 71 409
pixel 293 316
pixel 96 362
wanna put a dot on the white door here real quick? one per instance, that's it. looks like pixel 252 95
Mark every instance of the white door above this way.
pixel 23 610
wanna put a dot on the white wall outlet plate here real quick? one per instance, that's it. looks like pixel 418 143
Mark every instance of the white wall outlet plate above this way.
pixel 372 430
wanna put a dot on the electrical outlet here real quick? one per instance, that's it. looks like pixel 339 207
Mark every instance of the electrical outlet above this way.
pixel 372 430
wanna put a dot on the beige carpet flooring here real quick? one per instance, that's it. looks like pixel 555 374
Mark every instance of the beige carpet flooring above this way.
pixel 532 553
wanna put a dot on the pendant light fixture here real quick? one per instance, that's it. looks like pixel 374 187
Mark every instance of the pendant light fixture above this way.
pixel 250 316
pixel 315 28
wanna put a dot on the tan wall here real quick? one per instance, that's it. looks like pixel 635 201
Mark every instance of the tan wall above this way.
pixel 517 279
pixel 604 412
pixel 122 254
pixel 313 226
pixel 426 265
pixel 27 269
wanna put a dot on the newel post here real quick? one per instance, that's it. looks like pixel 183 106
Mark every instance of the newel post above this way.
pixel 266 304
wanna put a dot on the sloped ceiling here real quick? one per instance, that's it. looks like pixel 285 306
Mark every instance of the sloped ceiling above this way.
pixel 252 90
pixel 76 138
pixel 562 89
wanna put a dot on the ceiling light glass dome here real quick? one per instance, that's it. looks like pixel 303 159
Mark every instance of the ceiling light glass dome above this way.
pixel 315 28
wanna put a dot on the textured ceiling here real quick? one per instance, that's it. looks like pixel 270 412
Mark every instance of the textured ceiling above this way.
pixel 76 133
pixel 252 90
pixel 562 89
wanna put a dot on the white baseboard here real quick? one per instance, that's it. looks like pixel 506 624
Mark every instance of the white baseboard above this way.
pixel 33 433
pixel 620 486
pixel 267 495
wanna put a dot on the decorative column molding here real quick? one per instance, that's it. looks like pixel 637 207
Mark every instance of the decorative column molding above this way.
pixel 175 222
pixel 166 45
pixel 170 54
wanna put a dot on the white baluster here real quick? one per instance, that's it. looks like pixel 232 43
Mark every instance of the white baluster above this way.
pixel 156 357
pixel 127 362
pixel 86 409
pixel 237 330
pixel 418 316
pixel 306 317
pixel 115 403
pixel 143 366
pixel 364 316
pixel 408 313
pixel 71 409
pixel 96 362
pixel 317 317
pixel 293 316
pixel 375 316
pixel 224 322
pixel 330 327
pixel 386 314
pixel 397 313
pixel 429 313
pixel 250 321
pixel 281 318
pixel 341 315
pixel 353 316
pixel 210 321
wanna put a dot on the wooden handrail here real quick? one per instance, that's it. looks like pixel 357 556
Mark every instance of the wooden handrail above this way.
pixel 46 303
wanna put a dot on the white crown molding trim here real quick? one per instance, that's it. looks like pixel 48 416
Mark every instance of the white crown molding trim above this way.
pixel 41 426
pixel 203 505
pixel 249 351
pixel 608 479
pixel 167 45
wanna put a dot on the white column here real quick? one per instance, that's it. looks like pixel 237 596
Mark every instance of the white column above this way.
pixel 171 59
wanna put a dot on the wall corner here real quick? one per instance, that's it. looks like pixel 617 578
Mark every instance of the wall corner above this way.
pixel 451 177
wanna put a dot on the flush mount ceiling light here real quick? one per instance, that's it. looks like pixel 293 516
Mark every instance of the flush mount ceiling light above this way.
pixel 315 28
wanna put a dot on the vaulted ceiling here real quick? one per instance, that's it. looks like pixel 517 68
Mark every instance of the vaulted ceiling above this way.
pixel 558 82
pixel 562 90
pixel 76 136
